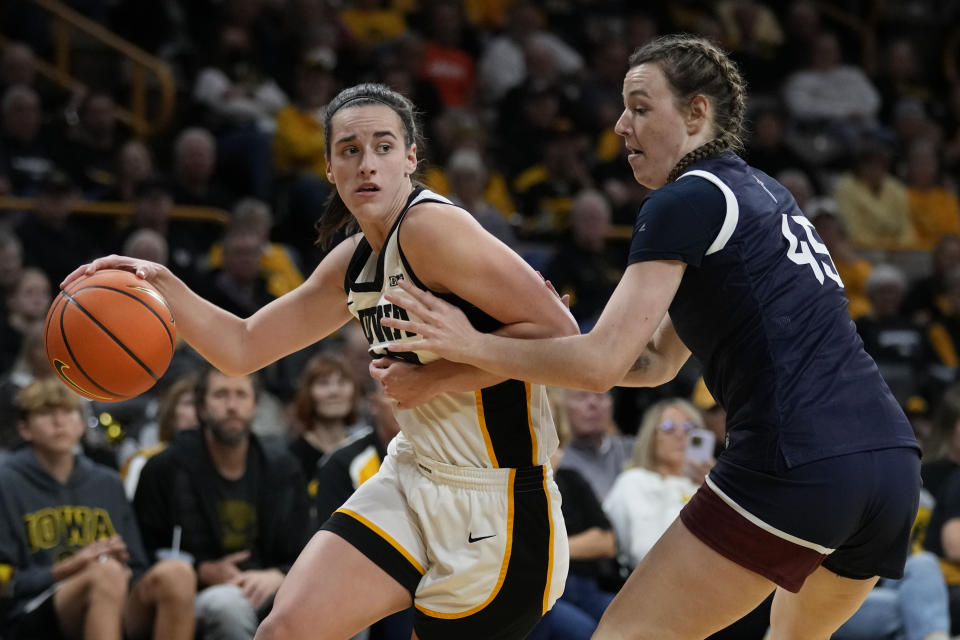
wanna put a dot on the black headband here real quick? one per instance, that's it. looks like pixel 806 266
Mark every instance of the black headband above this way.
pixel 370 98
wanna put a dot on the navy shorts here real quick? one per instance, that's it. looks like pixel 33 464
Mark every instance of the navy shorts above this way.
pixel 852 513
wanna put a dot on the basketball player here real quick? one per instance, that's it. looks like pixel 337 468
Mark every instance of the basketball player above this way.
pixel 463 519
pixel 817 489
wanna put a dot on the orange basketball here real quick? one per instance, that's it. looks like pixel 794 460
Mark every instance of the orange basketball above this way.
pixel 109 336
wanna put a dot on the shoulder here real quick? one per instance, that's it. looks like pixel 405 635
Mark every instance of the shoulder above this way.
pixel 688 193
pixel 426 223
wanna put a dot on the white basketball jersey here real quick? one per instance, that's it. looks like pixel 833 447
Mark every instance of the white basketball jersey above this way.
pixel 507 425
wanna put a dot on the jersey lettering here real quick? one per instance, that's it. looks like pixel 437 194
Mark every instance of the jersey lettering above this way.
pixel 374 331
pixel 799 250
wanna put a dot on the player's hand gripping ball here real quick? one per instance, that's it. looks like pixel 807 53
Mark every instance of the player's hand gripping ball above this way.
pixel 110 335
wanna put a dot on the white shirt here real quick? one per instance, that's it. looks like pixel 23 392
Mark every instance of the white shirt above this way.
pixel 640 506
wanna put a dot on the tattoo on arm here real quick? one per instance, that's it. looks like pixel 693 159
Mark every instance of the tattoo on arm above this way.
pixel 642 363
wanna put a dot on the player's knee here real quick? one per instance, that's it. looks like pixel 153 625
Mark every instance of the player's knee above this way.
pixel 171 580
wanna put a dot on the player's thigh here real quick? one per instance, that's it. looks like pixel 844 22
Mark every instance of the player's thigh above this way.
pixel 333 591
pixel 681 590
pixel 824 603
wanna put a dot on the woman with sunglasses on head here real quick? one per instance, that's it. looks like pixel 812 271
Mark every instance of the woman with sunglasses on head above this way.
pixel 650 492
pixel 817 489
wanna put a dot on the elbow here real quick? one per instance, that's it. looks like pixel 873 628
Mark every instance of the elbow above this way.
pixel 597 379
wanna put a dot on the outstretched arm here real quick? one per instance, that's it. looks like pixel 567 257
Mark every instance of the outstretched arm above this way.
pixel 240 345
pixel 595 361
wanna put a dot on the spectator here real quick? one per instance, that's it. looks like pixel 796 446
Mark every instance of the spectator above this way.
pixel 648 495
pixel 597 450
pixel 276 263
pixel 239 284
pixel 17 66
pixel 593 546
pixel 26 152
pixel 234 90
pixel 299 160
pixel 177 412
pixel 926 298
pixel 356 459
pixel 90 150
pixel 902 77
pixel 298 144
pixel 147 244
pixel 545 190
pixel 502 64
pixel 325 412
pixel 239 499
pixel 134 164
pixel 944 331
pixel 942 539
pixel 11 264
pixel 31 364
pixel 914 607
pixel 372 23
pixel 457 130
pixel 447 62
pixel 26 304
pixel 768 150
pixel 194 163
pixel 899 347
pixel 468 178
pixel 70 537
pixel 852 269
pixel 873 203
pixel 830 100
pixel 153 209
pixel 346 468
pixel 581 266
pixel 933 207
pixel 799 185
pixel 52 238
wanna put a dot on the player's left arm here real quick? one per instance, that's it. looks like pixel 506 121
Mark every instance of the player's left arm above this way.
pixel 450 252
pixel 660 362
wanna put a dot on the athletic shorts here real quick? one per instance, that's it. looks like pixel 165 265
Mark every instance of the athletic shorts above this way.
pixel 39 623
pixel 483 551
pixel 852 513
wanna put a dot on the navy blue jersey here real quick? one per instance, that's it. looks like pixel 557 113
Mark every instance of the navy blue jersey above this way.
pixel 762 308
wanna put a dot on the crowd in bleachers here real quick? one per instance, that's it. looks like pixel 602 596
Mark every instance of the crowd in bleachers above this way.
pixel 854 106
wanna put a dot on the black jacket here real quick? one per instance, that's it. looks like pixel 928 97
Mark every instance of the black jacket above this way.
pixel 176 487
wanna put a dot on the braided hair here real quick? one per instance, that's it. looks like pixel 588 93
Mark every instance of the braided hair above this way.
pixel 693 66
pixel 336 215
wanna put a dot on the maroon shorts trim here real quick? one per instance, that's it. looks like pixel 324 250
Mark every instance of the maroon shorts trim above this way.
pixel 777 556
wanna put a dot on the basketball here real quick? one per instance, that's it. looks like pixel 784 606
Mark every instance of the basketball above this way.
pixel 109 336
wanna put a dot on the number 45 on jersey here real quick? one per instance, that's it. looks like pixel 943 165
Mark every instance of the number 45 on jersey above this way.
pixel 800 252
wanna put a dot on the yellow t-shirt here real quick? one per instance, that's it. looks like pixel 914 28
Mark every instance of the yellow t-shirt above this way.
pixel 935 213
pixel 298 143
pixel 875 220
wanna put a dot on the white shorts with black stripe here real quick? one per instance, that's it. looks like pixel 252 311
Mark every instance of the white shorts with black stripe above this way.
pixel 483 551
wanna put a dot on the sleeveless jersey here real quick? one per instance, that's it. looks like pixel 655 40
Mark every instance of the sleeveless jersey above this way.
pixel 506 425
pixel 762 308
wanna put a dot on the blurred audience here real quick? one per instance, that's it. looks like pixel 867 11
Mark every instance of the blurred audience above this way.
pixel 597 449
pixel 239 500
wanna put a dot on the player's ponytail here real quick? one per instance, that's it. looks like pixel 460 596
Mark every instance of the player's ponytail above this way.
pixel 693 66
